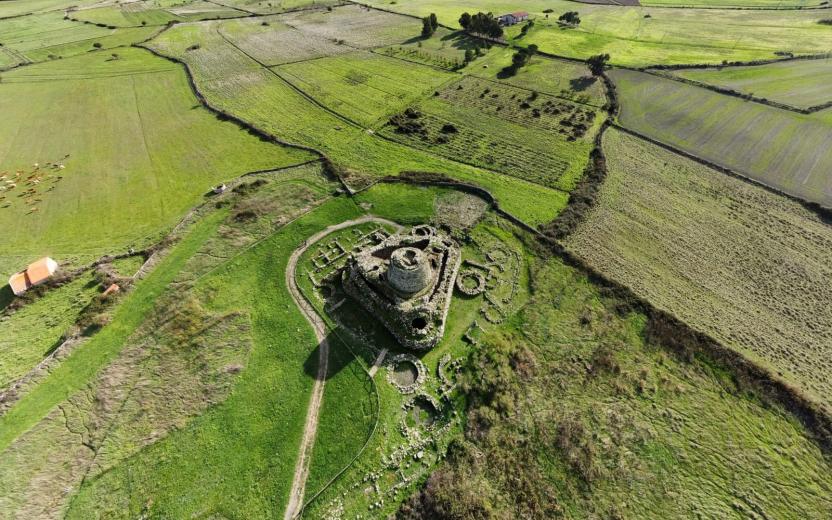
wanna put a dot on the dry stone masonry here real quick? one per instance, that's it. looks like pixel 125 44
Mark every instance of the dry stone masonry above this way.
pixel 406 282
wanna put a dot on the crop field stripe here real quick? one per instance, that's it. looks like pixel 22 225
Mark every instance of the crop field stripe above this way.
pixel 245 14
pixel 43 79
pixel 727 92
pixel 718 167
pixel 289 83
pixel 653 102
pixel 374 50
pixel 312 99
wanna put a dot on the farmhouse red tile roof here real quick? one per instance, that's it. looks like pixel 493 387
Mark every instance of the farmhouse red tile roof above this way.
pixel 40 270
pixel 19 283
pixel 520 14
pixel 37 272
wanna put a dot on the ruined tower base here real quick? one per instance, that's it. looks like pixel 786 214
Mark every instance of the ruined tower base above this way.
pixel 406 283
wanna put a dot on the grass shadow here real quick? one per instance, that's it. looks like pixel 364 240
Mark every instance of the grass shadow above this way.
pixel 6 297
pixel 461 40
pixel 335 361
pixel 582 83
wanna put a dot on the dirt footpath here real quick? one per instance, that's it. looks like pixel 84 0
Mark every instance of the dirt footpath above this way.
pixel 293 508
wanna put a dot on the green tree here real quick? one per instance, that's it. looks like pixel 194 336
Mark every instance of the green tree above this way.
pixel 465 21
pixel 485 24
pixel 596 63
pixel 570 17
pixel 427 27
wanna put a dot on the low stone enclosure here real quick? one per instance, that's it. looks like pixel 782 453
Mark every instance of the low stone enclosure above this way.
pixel 406 282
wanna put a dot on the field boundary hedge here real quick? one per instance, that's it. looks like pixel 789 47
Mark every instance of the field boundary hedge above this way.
pixel 582 199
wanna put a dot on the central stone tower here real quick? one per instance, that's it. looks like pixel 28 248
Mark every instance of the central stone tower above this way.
pixel 409 271
pixel 406 282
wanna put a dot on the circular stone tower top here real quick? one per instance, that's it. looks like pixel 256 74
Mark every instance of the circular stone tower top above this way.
pixel 409 270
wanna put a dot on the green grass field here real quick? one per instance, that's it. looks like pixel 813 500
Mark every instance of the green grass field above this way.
pixel 367 88
pixel 548 396
pixel 277 43
pixel 548 76
pixel 159 154
pixel 202 10
pixel 126 17
pixel 356 26
pixel 731 259
pixel 631 38
pixel 117 38
pixel 573 414
pixel 253 436
pixel 10 8
pixel 444 49
pixel 37 34
pixel 799 83
pixel 351 493
pixel 212 269
pixel 277 6
pixel 33 331
pixel 741 4
pixel 530 136
pixel 232 80
pixel 782 149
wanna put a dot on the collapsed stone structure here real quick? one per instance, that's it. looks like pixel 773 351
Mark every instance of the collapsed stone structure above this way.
pixel 406 282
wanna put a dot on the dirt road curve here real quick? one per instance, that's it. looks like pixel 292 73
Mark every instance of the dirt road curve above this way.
pixel 319 326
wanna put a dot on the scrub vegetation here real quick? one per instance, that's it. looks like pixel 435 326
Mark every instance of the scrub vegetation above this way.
pixel 572 413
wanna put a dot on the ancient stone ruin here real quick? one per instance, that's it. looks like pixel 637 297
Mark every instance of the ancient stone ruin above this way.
pixel 406 283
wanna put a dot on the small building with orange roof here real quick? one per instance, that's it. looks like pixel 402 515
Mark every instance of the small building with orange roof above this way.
pixel 38 272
